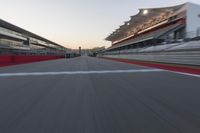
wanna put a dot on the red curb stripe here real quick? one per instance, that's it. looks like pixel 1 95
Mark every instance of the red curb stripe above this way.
pixel 182 69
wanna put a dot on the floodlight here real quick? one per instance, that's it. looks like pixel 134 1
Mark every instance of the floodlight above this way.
pixel 145 12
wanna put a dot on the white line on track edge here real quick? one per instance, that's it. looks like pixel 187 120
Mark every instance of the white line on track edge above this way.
pixel 79 72
pixel 182 73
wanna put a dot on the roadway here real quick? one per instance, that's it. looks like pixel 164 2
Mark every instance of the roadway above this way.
pixel 91 95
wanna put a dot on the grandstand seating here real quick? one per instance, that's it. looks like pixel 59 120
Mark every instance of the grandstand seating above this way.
pixel 149 35
pixel 192 45
pixel 181 46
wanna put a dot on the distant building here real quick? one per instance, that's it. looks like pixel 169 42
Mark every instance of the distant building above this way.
pixel 153 26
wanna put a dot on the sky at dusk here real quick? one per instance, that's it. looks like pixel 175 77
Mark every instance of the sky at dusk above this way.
pixel 75 23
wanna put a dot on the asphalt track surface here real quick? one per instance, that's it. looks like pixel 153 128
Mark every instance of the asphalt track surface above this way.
pixel 90 95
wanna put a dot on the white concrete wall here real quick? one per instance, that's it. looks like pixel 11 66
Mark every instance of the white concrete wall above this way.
pixel 193 19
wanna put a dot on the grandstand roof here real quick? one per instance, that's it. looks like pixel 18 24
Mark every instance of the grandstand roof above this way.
pixel 144 15
pixel 25 32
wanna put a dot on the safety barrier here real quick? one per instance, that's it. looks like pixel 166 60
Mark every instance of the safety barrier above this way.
pixel 6 60
pixel 166 66
pixel 184 57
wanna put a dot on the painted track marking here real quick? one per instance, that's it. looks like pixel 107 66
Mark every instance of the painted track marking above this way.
pixel 78 72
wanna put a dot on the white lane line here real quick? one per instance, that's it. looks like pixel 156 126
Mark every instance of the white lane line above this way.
pixel 78 72
pixel 187 74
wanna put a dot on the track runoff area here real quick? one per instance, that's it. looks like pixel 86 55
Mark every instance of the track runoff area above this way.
pixel 97 95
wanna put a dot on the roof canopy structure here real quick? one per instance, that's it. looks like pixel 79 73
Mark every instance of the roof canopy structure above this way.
pixel 146 15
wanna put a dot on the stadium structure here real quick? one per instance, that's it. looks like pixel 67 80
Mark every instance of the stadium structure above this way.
pixel 15 40
pixel 155 27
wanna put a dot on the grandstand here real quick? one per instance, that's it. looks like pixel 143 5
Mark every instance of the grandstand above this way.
pixel 153 27
pixel 15 40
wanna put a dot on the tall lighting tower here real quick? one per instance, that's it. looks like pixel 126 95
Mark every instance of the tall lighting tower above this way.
pixel 80 51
